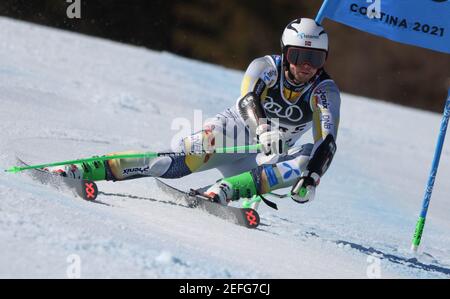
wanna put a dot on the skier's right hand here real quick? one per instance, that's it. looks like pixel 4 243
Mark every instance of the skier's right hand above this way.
pixel 272 142
pixel 273 145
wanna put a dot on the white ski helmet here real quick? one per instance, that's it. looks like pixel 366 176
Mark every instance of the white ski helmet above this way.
pixel 305 33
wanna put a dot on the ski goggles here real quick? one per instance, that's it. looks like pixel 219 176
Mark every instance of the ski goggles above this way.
pixel 299 56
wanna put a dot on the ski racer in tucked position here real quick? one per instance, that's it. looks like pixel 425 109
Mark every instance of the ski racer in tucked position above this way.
pixel 282 97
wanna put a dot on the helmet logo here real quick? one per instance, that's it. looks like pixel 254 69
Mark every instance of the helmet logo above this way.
pixel 303 35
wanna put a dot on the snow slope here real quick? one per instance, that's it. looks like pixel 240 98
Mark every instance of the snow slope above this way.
pixel 64 96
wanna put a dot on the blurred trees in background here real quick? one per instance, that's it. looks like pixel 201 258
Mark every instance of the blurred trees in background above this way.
pixel 233 32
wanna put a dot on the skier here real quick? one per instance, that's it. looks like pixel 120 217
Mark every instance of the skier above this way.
pixel 282 97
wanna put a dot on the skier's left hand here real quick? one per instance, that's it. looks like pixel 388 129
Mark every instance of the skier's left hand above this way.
pixel 305 188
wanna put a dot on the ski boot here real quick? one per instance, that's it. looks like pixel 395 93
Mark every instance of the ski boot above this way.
pixel 92 171
pixel 232 188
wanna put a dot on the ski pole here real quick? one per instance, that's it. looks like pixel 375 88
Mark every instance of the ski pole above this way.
pixel 224 150
pixel 434 168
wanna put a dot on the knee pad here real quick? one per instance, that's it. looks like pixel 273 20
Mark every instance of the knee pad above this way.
pixel 250 110
pixel 200 142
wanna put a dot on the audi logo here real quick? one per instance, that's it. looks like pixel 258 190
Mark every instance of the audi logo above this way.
pixel 292 113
